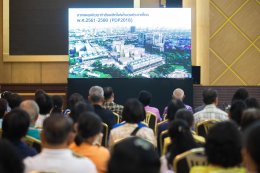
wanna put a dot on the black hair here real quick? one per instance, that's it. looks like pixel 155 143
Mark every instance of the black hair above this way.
pixel 88 125
pixel 10 162
pixel 134 155
pixel 3 107
pixel 185 115
pixel 145 97
pixel 57 104
pixel 14 100
pixel 240 94
pixel 108 92
pixel 252 143
pixel 6 94
pixel 223 145
pixel 249 116
pixel 236 111
pixel 252 102
pixel 173 107
pixel 181 139
pixel 79 108
pixel 133 111
pixel 56 129
pixel 209 96
pixel 15 124
pixel 73 99
pixel 44 102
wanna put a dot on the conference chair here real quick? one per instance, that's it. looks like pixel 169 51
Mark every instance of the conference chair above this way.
pixel 1 133
pixel 105 132
pixel 151 120
pixel 117 117
pixel 185 161
pixel 203 127
pixel 162 148
pixel 165 116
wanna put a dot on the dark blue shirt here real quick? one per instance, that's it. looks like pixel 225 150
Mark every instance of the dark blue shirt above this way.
pixel 23 149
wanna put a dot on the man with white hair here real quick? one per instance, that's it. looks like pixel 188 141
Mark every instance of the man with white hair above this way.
pixel 96 98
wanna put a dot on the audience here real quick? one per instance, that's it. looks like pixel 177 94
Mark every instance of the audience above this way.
pixel 15 127
pixel 236 111
pixel 223 150
pixel 145 98
pixel 249 116
pixel 14 100
pixel 240 94
pixel 109 101
pixel 3 110
pixel 133 155
pixel 5 95
pixel 96 97
pixel 79 108
pixel 133 115
pixel 9 160
pixel 57 104
pixel 89 127
pixel 210 98
pixel 73 99
pixel 55 156
pixel 252 102
pixel 251 149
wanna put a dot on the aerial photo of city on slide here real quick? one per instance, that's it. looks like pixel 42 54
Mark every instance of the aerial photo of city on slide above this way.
pixel 129 52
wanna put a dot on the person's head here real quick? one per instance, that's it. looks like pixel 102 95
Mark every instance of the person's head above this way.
pixel 14 100
pixel 134 154
pixel 6 94
pixel 73 99
pixel 223 145
pixel 88 127
pixel 15 124
pixel 249 116
pixel 31 107
pixel 96 95
pixel 178 94
pixel 181 137
pixel 57 102
pixel 240 94
pixel 186 115
pixel 44 102
pixel 173 107
pixel 56 131
pixel 108 93
pixel 10 162
pixel 3 107
pixel 145 97
pixel 210 96
pixel 252 102
pixel 133 111
pixel 236 111
pixel 251 149
pixel 79 108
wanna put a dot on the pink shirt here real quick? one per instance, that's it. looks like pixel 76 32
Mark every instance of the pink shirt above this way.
pixel 153 110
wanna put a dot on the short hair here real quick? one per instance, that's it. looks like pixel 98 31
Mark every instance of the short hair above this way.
pixel 89 124
pixel 173 107
pixel 236 111
pixel 133 111
pixel 79 108
pixel 6 94
pixel 10 162
pixel 108 92
pixel 178 93
pixel 44 102
pixel 3 107
pixel 96 93
pixel 145 97
pixel 223 145
pixel 249 116
pixel 252 102
pixel 137 151
pixel 31 107
pixel 14 100
pixel 15 124
pixel 56 129
pixel 186 115
pixel 73 99
pixel 209 96
pixel 240 94
pixel 252 143
pixel 57 104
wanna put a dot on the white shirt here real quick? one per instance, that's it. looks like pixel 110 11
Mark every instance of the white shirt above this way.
pixel 210 112
pixel 59 161
pixel 40 119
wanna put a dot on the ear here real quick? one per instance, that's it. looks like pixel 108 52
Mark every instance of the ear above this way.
pixel 75 127
pixel 71 138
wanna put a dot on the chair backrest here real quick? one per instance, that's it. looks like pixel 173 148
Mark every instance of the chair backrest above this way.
pixel 193 157
pixel 203 127
pixel 164 134
pixel 165 116
pixel 105 135
pixel 151 120
pixel 1 133
pixel 117 117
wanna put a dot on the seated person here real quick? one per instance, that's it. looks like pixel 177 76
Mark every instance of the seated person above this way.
pixel 15 127
pixel 89 127
pixel 223 149
pixel 57 104
pixel 109 101
pixel 3 110
pixel 133 155
pixel 252 102
pixel 145 98
pixel 73 99
pixel 133 115
pixel 56 156
pixel 249 116
pixel 236 111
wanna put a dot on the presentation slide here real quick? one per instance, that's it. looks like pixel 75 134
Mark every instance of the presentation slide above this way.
pixel 129 43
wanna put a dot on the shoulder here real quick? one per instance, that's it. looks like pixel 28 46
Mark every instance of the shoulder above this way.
pixel 83 163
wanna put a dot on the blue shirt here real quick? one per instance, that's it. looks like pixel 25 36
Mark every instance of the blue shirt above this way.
pixel 23 150
pixel 33 132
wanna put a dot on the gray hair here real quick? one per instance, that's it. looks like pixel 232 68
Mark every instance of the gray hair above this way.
pixel 31 107
pixel 178 93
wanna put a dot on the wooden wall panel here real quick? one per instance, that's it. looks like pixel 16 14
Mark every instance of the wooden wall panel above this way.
pixel 54 72
pixel 26 73
pixel 150 3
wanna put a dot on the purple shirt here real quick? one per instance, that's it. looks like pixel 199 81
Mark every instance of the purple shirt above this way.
pixel 189 108
pixel 153 110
